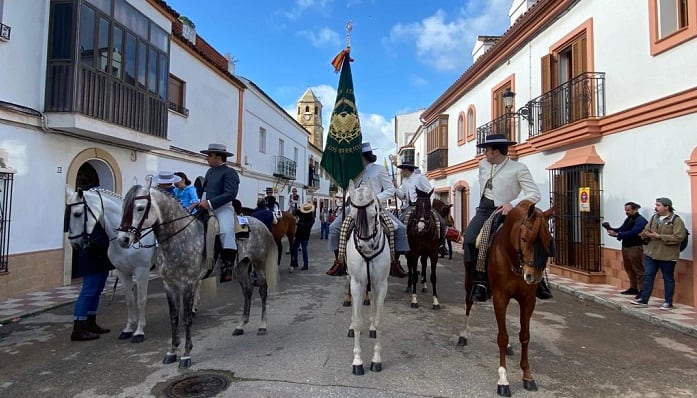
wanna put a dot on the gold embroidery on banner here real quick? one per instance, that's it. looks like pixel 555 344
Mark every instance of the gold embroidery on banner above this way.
pixel 344 126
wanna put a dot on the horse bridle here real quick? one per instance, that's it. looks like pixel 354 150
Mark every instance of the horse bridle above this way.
pixel 87 209
pixel 357 237
pixel 127 221
pixel 522 263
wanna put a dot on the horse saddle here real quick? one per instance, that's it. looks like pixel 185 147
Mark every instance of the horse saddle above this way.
pixel 211 229
pixel 241 227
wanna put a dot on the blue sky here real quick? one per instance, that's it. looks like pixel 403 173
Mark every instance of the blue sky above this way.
pixel 406 52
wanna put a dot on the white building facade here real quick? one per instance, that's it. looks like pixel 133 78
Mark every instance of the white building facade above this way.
pixel 604 101
pixel 104 93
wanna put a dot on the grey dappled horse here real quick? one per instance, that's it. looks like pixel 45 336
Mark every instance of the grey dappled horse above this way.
pixel 256 265
pixel 84 210
pixel 368 264
pixel 180 258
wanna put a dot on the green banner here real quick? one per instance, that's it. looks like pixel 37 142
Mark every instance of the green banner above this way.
pixel 342 153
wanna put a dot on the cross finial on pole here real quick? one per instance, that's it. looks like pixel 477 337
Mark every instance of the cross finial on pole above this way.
pixel 349 27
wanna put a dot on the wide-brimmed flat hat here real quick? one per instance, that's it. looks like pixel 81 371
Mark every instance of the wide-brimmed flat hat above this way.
pixel 166 177
pixel 216 148
pixel 407 164
pixel 495 139
pixel 307 208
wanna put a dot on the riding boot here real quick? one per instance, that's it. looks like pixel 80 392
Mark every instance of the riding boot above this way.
pixel 228 257
pixel 81 333
pixel 543 291
pixel 338 268
pixel 479 291
pixel 396 270
pixel 93 327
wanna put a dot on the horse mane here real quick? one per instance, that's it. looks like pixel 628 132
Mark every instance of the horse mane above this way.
pixel 129 199
pixel 107 192
pixel 527 210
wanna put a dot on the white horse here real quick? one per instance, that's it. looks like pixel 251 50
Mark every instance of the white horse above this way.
pixel 181 261
pixel 84 209
pixel 368 263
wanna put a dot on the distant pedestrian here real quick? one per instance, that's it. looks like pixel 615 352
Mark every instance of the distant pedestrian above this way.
pixel 664 231
pixel 632 250
pixel 165 181
pixel 324 227
pixel 306 219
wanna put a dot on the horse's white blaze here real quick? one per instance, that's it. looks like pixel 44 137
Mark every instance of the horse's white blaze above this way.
pixel 503 379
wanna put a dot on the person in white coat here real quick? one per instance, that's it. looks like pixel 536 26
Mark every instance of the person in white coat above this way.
pixel 381 184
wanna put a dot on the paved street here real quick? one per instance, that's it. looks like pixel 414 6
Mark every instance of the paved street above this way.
pixel 578 349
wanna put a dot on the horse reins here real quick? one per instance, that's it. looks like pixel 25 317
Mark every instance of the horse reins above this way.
pixel 100 220
pixel 357 238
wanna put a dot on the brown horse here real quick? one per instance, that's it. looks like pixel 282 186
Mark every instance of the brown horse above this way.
pixel 422 233
pixel 516 261
pixel 286 226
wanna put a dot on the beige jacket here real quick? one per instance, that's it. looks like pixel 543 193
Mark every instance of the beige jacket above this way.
pixel 667 246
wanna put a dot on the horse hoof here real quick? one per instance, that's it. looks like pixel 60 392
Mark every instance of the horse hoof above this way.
pixel 509 351
pixel 436 306
pixel 375 367
pixel 139 338
pixel 366 302
pixel 351 333
pixel 185 363
pixel 414 305
pixel 373 334
pixel 504 391
pixel 238 332
pixel 125 335
pixel 358 370
pixel 347 303
pixel 462 341
pixel 529 385
pixel 170 358
pixel 261 332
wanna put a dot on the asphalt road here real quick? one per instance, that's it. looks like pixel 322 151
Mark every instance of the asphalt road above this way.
pixel 578 348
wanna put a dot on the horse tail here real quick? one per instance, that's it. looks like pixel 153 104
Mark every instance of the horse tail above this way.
pixel 271 268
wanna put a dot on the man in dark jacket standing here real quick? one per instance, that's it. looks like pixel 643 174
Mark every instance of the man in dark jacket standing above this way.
pixel 263 214
pixel 222 184
pixel 632 250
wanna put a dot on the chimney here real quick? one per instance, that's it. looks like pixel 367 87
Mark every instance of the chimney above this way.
pixel 230 63
pixel 518 8
pixel 188 29
pixel 482 45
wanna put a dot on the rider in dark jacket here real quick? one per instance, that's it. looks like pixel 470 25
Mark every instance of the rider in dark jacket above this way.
pixel 263 214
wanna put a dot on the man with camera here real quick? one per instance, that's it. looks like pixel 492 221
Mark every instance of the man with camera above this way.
pixel 632 250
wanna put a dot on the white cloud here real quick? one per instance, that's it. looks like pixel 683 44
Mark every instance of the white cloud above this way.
pixel 418 81
pixel 446 44
pixel 323 37
pixel 303 5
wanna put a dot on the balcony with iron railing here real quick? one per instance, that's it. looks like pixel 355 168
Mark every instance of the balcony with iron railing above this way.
pixel 582 97
pixel 437 159
pixel 284 168
pixel 507 124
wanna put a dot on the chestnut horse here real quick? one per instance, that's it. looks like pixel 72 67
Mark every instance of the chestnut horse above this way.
pixel 422 233
pixel 286 226
pixel 516 262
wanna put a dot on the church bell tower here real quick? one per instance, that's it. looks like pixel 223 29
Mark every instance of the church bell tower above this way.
pixel 310 116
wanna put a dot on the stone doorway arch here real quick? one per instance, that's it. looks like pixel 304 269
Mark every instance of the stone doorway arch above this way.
pixel 93 167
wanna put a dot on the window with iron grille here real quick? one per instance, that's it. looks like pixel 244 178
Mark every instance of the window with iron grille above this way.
pixel 6 180
pixel 576 227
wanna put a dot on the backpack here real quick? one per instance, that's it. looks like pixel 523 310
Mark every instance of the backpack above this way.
pixel 683 243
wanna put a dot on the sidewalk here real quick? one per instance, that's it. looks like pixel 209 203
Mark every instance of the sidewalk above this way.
pixel 682 318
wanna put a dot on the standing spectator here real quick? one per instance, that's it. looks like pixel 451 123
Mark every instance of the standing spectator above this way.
pixel 94 265
pixel 632 250
pixel 664 231
pixel 324 219
pixel 306 218
pixel 294 202
pixel 185 192
pixel 263 214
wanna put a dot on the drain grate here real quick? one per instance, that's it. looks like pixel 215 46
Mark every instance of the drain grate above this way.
pixel 198 386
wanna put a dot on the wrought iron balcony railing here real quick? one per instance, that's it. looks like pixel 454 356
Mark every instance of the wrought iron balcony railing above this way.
pixel 507 124
pixel 284 167
pixel 314 182
pixel 582 97
pixel 179 108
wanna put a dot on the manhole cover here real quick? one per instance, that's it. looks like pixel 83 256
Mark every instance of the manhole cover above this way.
pixel 197 386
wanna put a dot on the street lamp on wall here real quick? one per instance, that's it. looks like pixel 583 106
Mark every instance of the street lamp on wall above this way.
pixel 508 99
